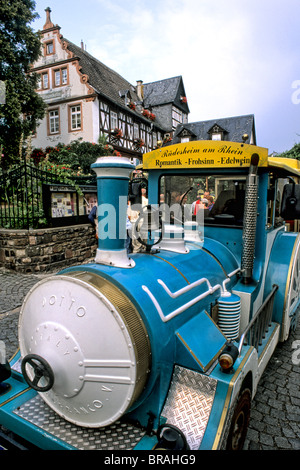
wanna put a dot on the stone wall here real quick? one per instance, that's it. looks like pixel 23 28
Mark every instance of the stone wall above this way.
pixel 46 250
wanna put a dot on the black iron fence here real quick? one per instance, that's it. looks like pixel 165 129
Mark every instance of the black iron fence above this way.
pixel 22 205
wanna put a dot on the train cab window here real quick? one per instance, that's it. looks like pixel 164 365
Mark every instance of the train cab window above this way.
pixel 275 192
pixel 220 198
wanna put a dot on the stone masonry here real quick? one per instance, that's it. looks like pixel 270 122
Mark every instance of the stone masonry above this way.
pixel 44 250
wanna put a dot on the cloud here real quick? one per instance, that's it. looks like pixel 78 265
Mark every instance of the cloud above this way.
pixel 235 56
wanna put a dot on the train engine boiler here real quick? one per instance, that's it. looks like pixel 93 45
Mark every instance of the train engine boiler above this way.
pixel 152 340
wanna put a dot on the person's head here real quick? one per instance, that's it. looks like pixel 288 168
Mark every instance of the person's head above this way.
pixel 206 193
pixel 175 197
pixel 204 201
pixel 136 173
pixel 183 199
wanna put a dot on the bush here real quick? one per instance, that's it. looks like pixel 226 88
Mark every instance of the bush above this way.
pixel 77 156
pixel 37 156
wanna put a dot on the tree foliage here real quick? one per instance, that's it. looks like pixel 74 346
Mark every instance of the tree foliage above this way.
pixel 294 152
pixel 20 46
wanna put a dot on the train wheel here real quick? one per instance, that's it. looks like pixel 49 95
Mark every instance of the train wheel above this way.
pixel 292 295
pixel 239 422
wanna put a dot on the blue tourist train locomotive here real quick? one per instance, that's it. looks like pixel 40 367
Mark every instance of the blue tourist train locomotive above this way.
pixel 163 348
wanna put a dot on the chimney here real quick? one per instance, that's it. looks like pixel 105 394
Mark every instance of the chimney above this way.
pixel 140 90
pixel 112 190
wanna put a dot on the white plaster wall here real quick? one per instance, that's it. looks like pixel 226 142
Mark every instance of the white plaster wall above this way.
pixel 71 93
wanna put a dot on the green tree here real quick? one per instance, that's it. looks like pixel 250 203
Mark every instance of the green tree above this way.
pixel 20 46
pixel 294 152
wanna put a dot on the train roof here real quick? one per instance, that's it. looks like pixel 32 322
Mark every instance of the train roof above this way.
pixel 288 165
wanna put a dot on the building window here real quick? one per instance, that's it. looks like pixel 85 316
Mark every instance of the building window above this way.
pixel 39 82
pixel 154 141
pixel 176 117
pixel 75 117
pixel 184 139
pixel 135 131
pixel 216 136
pixel 53 123
pixel 43 81
pixel 49 48
pixel 60 77
pixel 113 120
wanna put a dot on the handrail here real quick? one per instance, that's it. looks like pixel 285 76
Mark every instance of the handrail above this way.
pixel 260 323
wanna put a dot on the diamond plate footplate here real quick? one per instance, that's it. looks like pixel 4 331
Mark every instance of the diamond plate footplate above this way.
pixel 189 403
pixel 118 436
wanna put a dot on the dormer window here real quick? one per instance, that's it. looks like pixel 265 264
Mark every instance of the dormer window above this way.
pixel 217 133
pixel 185 135
pixel 125 94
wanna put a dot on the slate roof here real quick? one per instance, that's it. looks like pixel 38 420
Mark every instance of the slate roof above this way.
pixel 103 79
pixel 234 127
pixel 164 91
pixel 108 83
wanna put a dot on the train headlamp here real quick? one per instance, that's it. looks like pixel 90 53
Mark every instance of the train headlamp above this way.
pixel 228 356
pixel 171 438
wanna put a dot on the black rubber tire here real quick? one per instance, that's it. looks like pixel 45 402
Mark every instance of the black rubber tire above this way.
pixel 240 421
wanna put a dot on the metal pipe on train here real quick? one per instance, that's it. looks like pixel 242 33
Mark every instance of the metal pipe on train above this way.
pixel 104 337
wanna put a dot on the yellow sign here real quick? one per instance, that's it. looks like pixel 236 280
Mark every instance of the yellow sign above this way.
pixel 204 154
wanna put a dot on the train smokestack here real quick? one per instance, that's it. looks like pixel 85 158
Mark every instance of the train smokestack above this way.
pixel 112 191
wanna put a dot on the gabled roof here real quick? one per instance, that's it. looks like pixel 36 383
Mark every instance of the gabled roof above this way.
pixel 108 83
pixel 185 132
pixel 165 91
pixel 234 127
pixel 103 79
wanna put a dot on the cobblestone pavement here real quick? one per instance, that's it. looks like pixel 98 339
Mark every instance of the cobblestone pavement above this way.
pixel 275 416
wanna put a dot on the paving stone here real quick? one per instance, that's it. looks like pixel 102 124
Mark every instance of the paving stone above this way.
pixel 282 442
pixel 295 443
pixel 266 439
pixel 288 433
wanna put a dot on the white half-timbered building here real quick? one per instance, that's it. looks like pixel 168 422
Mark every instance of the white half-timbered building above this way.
pixel 86 99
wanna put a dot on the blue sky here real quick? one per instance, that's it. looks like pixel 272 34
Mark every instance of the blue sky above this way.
pixel 235 56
